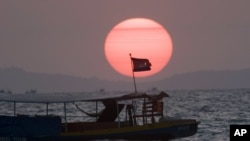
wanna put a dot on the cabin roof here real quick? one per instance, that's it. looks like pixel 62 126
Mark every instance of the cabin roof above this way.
pixel 133 96
pixel 74 97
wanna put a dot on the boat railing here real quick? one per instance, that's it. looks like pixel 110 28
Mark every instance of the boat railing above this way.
pixel 145 107
pixel 67 111
pixel 150 110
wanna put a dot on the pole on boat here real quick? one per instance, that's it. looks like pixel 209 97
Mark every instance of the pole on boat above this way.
pixel 14 108
pixel 96 109
pixel 47 108
pixel 65 117
pixel 117 110
pixel 132 66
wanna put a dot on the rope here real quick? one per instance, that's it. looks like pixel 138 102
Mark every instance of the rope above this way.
pixel 89 114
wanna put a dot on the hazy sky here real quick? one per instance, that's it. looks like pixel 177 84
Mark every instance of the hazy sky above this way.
pixel 67 36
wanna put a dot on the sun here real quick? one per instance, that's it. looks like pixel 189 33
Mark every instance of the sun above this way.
pixel 143 38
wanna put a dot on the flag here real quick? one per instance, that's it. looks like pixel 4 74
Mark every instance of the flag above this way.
pixel 140 64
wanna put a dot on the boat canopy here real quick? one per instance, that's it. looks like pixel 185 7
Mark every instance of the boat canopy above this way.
pixel 74 97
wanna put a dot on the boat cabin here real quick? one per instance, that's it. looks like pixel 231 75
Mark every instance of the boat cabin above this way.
pixel 109 117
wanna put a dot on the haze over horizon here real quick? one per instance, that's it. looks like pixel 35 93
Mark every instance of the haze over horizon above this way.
pixel 19 81
pixel 67 37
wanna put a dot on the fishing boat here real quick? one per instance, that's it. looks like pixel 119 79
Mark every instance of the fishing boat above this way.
pixel 135 116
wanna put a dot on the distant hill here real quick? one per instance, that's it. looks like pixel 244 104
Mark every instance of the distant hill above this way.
pixel 208 80
pixel 19 80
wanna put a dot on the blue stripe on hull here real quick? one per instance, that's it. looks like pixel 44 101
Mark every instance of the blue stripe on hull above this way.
pixel 159 131
pixel 154 134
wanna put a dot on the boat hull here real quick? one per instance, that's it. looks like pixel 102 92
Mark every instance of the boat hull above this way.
pixel 159 131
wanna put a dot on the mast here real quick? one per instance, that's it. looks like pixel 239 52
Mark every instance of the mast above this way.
pixel 133 72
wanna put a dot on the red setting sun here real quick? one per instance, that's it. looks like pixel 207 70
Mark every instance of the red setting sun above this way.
pixel 143 38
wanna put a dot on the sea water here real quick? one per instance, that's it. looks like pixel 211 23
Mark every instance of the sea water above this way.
pixel 215 109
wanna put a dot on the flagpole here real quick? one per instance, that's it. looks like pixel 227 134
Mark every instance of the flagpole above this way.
pixel 133 72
